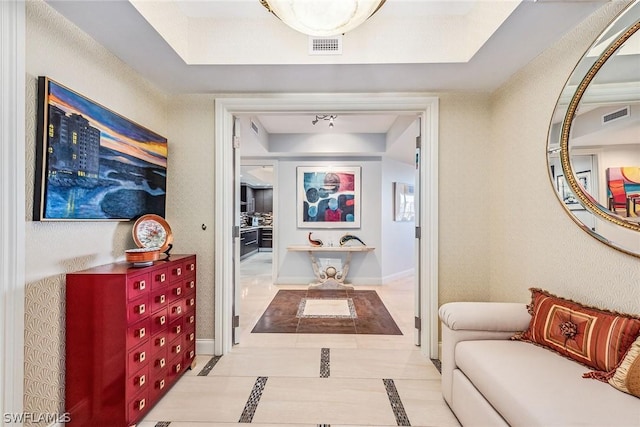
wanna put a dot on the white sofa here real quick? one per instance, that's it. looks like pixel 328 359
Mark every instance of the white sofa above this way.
pixel 489 380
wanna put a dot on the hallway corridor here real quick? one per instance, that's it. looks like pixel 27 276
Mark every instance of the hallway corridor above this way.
pixel 308 380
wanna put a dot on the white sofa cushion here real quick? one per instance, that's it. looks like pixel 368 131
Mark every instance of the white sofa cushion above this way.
pixel 532 386
pixel 470 407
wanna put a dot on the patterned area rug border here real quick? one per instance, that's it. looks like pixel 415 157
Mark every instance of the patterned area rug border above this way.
pixel 281 316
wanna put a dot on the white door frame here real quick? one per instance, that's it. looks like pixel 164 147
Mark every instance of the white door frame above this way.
pixel 12 196
pixel 227 106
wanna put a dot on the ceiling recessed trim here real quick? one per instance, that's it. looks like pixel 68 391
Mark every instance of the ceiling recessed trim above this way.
pixel 234 32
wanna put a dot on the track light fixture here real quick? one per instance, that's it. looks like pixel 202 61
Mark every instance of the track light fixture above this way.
pixel 329 117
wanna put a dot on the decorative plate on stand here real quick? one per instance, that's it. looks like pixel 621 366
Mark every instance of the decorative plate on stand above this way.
pixel 152 231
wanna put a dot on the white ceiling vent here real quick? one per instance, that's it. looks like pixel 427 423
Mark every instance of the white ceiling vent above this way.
pixel 325 45
pixel 616 115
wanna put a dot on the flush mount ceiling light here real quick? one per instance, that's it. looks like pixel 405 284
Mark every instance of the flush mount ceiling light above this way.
pixel 323 18
pixel 330 117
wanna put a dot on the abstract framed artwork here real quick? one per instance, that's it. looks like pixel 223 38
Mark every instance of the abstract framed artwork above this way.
pixel 403 202
pixel 328 197
pixel 92 163
pixel 584 179
pixel 569 199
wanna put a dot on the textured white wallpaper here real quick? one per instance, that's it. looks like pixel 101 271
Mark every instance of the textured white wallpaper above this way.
pixel 464 198
pixel 190 184
pixel 57 49
pixel 533 240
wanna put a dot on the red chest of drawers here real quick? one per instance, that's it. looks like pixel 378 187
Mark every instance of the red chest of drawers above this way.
pixel 130 334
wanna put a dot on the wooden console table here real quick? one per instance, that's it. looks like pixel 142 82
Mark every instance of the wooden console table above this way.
pixel 330 277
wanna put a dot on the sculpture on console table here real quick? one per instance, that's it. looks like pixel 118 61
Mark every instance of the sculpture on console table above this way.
pixel 314 242
pixel 347 237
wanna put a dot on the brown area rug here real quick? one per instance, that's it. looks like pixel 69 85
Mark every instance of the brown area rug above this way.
pixel 367 314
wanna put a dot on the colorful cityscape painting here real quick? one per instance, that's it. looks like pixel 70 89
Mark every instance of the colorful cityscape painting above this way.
pixel 92 163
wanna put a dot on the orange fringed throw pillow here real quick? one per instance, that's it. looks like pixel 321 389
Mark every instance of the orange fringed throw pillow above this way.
pixel 591 336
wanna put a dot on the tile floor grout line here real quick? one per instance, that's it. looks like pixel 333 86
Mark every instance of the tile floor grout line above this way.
pixel 206 369
pixel 396 404
pixel 253 400
pixel 325 360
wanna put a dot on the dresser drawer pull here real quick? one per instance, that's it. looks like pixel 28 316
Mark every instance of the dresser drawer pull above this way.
pixel 192 319
pixel 162 320
pixel 192 284
pixel 177 368
pixel 160 384
pixel 191 336
pixel 161 277
pixel 191 354
pixel 140 285
pixel 161 363
pixel 176 349
pixel 178 271
pixel 191 267
pixel 177 310
pixel 160 342
pixel 141 380
pixel 141 356
pixel 191 302
pixel 177 291
pixel 161 299
pixel 140 333
pixel 141 404
pixel 177 329
pixel 140 309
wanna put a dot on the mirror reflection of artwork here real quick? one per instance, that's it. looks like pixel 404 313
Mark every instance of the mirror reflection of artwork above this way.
pixel 404 202
pixel 597 115
pixel 584 179
pixel 328 197
pixel 566 194
pixel 623 190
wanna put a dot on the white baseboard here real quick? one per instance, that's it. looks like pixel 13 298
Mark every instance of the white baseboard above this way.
pixel 399 275
pixel 306 280
pixel 205 346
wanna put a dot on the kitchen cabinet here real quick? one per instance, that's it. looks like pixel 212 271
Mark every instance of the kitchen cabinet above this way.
pixel 263 199
pixel 249 242
pixel 247 199
pixel 266 239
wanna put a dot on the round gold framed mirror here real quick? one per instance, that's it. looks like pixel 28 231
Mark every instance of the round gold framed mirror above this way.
pixel 593 148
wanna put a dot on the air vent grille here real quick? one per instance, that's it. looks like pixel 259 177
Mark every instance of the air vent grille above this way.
pixel 616 115
pixel 325 45
pixel 254 127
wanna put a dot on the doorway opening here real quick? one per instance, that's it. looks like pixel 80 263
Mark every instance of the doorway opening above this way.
pixel 424 106
pixel 258 225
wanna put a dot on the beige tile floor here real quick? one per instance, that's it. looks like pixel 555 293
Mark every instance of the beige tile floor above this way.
pixel 352 391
